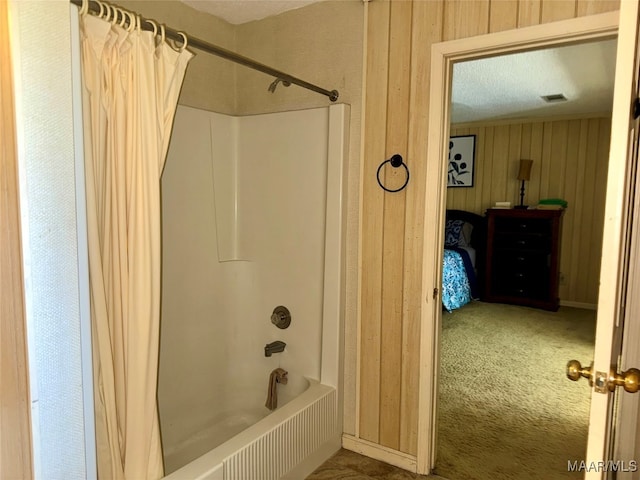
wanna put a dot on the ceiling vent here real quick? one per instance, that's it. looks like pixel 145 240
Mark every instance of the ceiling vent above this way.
pixel 554 98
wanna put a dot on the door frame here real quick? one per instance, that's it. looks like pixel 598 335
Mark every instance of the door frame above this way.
pixel 443 56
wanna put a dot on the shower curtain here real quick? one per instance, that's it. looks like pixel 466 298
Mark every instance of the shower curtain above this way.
pixel 130 93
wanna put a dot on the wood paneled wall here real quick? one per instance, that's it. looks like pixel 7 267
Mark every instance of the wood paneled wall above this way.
pixel 399 38
pixel 570 159
pixel 15 432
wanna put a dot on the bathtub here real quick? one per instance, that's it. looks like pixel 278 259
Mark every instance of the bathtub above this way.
pixel 286 443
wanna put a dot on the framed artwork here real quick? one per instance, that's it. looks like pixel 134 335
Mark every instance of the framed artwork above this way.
pixel 462 157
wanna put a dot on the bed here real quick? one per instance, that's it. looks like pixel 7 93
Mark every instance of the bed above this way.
pixel 464 243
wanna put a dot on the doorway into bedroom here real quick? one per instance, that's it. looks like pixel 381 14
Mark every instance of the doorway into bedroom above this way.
pixel 494 422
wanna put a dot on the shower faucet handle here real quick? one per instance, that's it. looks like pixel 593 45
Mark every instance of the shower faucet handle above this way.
pixel 274 347
pixel 281 317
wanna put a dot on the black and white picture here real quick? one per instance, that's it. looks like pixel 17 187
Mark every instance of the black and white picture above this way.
pixel 462 152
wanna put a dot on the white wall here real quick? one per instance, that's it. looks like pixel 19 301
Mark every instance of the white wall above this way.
pixel 244 204
pixel 54 242
pixel 193 344
pixel 282 198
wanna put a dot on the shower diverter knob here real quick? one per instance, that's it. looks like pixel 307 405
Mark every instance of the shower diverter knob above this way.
pixel 281 317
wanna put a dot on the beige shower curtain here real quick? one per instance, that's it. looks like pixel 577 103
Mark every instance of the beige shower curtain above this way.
pixel 130 93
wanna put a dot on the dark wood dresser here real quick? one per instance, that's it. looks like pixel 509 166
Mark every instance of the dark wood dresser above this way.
pixel 523 257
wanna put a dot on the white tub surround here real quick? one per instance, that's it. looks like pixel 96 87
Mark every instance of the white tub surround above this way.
pixel 252 219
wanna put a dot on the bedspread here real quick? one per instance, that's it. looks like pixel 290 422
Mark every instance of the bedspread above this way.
pixel 456 289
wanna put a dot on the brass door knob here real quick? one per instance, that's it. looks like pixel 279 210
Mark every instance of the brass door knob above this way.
pixel 575 371
pixel 629 380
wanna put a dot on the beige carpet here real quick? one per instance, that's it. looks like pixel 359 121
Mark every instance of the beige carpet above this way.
pixel 506 409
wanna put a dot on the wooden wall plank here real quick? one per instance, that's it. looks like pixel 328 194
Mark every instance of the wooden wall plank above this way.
pixel 529 12
pixel 513 159
pixel 463 18
pixel 537 142
pixel 594 7
pixel 500 164
pixel 569 186
pixel 487 199
pixel 482 160
pixel 525 141
pixel 553 11
pixel 503 15
pixel 547 157
pixel 372 225
pixel 15 428
pixel 393 229
pixel 589 202
pixel 573 235
pixel 557 160
pixel 427 14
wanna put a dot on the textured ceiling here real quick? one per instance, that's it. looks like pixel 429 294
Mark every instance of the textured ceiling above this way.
pixel 510 86
pixel 243 11
pixel 503 87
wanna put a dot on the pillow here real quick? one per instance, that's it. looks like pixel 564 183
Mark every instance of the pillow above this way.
pixel 465 235
pixel 452 233
pixel 457 233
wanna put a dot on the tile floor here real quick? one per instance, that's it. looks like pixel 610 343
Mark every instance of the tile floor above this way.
pixel 353 466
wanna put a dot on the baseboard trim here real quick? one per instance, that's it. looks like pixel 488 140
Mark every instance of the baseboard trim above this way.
pixel 587 306
pixel 378 452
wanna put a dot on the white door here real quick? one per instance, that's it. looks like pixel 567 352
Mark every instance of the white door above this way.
pixel 619 269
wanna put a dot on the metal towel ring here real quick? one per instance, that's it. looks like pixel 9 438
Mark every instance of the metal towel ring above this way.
pixel 396 161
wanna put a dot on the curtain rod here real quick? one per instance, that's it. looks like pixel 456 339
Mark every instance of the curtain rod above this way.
pixel 285 78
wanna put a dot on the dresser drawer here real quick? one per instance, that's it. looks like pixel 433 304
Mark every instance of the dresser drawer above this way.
pixel 522 241
pixel 520 260
pixel 531 291
pixel 539 226
pixel 523 276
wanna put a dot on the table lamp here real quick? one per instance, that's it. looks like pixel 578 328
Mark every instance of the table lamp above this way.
pixel 524 174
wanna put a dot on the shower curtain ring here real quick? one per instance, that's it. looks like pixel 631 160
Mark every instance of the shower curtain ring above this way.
pixel 184 41
pixel 161 33
pixel 84 8
pixel 124 17
pixel 107 8
pixel 101 5
pixel 154 25
pixel 114 20
pixel 132 21
pixel 118 11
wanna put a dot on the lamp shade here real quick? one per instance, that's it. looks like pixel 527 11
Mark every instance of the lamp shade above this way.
pixel 525 169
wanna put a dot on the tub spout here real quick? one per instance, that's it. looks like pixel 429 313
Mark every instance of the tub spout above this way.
pixel 274 347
